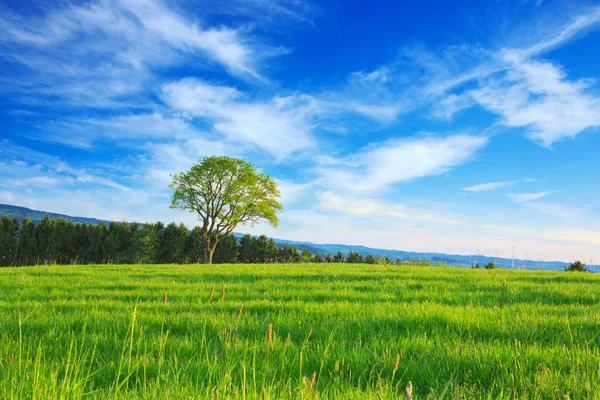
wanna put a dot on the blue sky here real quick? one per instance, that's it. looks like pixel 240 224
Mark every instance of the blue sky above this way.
pixel 423 126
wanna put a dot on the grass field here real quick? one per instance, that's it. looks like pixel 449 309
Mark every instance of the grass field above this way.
pixel 337 332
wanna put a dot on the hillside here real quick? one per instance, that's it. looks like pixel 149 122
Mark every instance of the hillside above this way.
pixel 36 216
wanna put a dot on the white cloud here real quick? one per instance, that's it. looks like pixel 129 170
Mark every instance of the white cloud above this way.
pixel 129 130
pixel 137 33
pixel 280 126
pixel 27 168
pixel 524 197
pixel 293 193
pixel 575 216
pixel 33 181
pixel 364 206
pixel 376 167
pixel 163 159
pixel 587 19
pixel 486 187
pixel 536 95
pixel 514 83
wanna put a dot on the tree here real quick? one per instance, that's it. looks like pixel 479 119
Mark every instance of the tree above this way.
pixel 271 251
pixel 577 266
pixel 305 256
pixel 146 244
pixel 339 257
pixel 172 244
pixel 354 257
pixel 227 252
pixel 27 247
pixel 225 192
pixel 489 265
pixel 319 258
pixel 261 251
pixel 369 259
pixel 9 228
pixel 247 249
pixel 193 247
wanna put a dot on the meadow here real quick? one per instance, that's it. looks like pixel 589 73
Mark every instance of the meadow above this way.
pixel 297 331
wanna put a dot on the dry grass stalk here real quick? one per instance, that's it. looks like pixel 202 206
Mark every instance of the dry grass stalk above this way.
pixel 165 299
pixel 240 312
pixel 312 381
pixel 396 364
pixel 212 293
pixel 223 291
pixel 308 335
pixel 408 391
pixel 270 334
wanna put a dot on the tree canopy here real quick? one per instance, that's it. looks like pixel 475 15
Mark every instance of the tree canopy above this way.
pixel 225 192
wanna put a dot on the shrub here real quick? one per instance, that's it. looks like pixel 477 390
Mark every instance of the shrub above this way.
pixel 490 265
pixel 577 266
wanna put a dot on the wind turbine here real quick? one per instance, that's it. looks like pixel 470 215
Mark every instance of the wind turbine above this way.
pixel 513 258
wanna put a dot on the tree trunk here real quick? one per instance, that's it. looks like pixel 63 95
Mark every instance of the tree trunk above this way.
pixel 210 255
pixel 206 261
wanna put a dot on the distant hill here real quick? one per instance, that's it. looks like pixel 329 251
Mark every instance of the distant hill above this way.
pixel 36 216
pixel 324 249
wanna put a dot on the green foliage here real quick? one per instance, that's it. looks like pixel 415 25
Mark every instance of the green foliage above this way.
pixel 263 250
pixel 319 258
pixel 490 265
pixel 225 192
pixel 227 251
pixel 104 332
pixel 576 266
pixel 305 256
pixel 9 228
pixel 172 244
pixel 64 242
pixel 354 257
pixel 194 248
pixel 369 259
pixel 339 257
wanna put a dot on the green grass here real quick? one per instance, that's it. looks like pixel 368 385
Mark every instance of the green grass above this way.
pixel 104 332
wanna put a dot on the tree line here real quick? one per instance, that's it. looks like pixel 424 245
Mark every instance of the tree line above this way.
pixel 60 241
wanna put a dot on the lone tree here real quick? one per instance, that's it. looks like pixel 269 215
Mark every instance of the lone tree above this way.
pixel 225 192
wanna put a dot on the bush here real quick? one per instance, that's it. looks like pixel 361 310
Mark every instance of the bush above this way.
pixel 476 266
pixel 577 266
pixel 490 265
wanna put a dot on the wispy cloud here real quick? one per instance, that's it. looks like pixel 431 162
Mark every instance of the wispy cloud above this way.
pixel 487 187
pixel 536 95
pixel 101 53
pixel 524 197
pixel 511 82
pixel 379 166
pixel 280 125
pixel 23 167
pixel 371 207
pixel 574 216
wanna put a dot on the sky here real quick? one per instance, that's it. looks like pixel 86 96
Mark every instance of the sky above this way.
pixel 456 127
